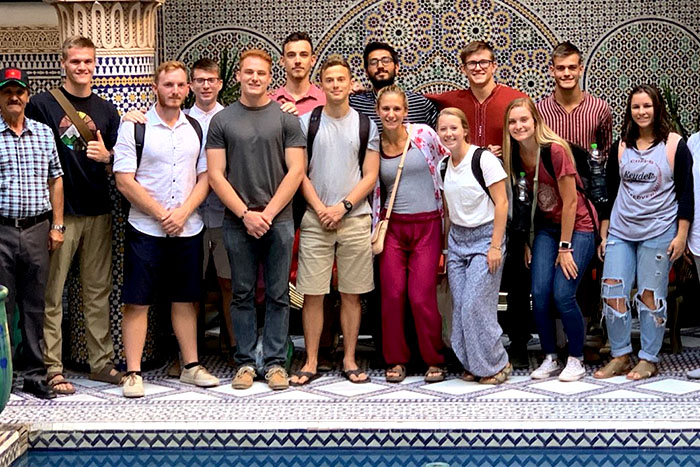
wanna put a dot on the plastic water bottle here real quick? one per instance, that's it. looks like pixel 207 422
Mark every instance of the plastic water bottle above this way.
pixel 598 187
pixel 521 186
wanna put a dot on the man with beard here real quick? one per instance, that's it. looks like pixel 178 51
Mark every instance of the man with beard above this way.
pixel 382 65
pixel 297 59
pixel 163 250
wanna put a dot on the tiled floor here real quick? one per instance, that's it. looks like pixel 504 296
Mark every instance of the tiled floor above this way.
pixel 331 407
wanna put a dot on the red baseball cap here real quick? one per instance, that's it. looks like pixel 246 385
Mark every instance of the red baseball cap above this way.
pixel 14 75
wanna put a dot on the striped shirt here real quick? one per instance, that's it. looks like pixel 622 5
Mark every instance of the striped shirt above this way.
pixel 420 109
pixel 27 162
pixel 589 122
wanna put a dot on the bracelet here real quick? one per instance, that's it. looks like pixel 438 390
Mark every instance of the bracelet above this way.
pixel 496 247
pixel 244 213
pixel 444 252
pixel 566 250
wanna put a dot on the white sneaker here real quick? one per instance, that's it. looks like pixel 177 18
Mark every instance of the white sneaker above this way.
pixel 549 366
pixel 574 370
pixel 133 386
pixel 199 376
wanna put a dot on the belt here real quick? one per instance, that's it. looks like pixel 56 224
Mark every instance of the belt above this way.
pixel 26 222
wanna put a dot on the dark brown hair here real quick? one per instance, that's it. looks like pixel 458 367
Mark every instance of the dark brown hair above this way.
pixel 662 122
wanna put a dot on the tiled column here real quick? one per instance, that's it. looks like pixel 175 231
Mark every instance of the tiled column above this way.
pixel 124 33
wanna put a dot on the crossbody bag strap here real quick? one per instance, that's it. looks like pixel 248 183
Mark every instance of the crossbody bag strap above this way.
pixel 72 114
pixel 398 172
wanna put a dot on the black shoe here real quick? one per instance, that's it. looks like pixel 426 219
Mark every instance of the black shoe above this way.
pixel 39 389
pixel 519 357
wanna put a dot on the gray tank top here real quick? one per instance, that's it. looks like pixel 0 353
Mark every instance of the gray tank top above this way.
pixel 646 204
pixel 416 189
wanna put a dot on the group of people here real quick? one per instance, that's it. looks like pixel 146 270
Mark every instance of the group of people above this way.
pixel 420 179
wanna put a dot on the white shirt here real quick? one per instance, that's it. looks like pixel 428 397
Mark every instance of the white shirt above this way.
pixel 468 203
pixel 694 234
pixel 203 117
pixel 171 161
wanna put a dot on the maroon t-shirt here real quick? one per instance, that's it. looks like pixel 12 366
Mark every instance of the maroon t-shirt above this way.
pixel 485 118
pixel 548 198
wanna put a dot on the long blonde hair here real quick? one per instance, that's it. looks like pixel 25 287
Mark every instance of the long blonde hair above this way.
pixel 543 135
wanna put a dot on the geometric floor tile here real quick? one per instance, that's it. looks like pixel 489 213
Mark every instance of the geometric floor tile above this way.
pixel 149 389
pixel 513 394
pixel 78 398
pixel 621 379
pixel 457 387
pixel 293 395
pixel 672 386
pixel 88 383
pixel 256 388
pixel 411 380
pixel 518 379
pixel 187 396
pixel 351 389
pixel 402 395
pixel 569 388
pixel 623 394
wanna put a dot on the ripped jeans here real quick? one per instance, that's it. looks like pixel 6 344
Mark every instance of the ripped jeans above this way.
pixel 647 264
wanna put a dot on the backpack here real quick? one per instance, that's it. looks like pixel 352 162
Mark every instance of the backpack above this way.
pixel 587 179
pixel 140 136
pixel 299 202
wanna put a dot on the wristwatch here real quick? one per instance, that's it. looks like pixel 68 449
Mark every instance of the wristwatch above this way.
pixel 60 227
pixel 565 245
pixel 348 205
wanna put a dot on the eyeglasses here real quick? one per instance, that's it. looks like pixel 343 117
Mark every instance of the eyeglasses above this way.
pixel 211 81
pixel 384 60
pixel 472 64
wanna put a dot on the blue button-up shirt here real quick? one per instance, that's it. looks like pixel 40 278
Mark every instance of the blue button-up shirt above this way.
pixel 27 162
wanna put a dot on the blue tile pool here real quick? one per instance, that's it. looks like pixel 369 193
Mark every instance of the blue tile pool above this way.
pixel 362 457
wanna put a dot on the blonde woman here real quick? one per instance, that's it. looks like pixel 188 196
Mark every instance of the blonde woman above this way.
pixel 564 240
pixel 475 193
pixel 409 263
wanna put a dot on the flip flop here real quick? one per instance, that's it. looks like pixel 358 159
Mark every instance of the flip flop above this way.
pixel 58 379
pixel 467 376
pixel 357 372
pixel 304 374
pixel 645 369
pixel 400 371
pixel 614 367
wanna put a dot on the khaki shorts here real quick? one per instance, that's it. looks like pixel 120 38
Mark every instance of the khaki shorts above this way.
pixel 349 245
pixel 214 247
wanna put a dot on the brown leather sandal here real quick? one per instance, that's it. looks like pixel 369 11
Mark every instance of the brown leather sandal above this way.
pixel 435 374
pixel 58 379
pixel 499 377
pixel 644 370
pixel 614 367
pixel 400 374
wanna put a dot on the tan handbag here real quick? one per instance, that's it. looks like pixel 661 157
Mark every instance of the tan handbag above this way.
pixel 379 234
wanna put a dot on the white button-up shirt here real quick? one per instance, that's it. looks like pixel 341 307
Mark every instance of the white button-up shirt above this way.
pixel 171 161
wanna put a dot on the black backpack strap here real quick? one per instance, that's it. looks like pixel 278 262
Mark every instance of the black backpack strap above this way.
pixel 139 135
pixel 197 128
pixel 546 158
pixel 364 138
pixel 314 123
pixel 478 172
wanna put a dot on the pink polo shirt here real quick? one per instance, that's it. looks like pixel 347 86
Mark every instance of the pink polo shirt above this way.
pixel 313 98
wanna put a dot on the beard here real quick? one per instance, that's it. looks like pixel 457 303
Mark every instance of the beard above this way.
pixel 382 83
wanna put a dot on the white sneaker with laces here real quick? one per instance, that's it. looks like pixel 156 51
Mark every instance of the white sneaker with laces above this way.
pixel 133 386
pixel 548 366
pixel 573 371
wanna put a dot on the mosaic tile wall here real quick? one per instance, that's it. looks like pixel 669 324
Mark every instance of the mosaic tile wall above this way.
pixel 624 43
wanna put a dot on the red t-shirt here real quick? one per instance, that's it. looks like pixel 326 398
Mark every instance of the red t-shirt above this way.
pixel 485 118
pixel 548 198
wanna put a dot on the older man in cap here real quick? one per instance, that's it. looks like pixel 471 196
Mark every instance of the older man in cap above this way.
pixel 31 218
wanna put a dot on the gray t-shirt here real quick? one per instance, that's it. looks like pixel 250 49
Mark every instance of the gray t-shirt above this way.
pixel 416 189
pixel 646 204
pixel 255 139
pixel 335 169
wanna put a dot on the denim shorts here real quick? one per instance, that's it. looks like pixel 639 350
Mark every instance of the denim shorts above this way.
pixel 167 268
